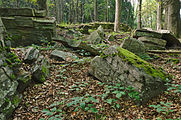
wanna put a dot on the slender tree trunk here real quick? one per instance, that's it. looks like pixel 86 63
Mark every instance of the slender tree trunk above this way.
pixel 139 14
pixel 166 17
pixel 159 14
pixel 95 10
pixel 117 16
pixel 70 11
pixel 58 11
pixel 105 15
pixel 174 16
pixel 107 11
pixel 81 11
pixel 18 3
pixel 77 11
pixel 61 11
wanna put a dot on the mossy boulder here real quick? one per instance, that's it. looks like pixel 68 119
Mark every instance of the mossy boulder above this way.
pixel 117 65
pixel 153 43
pixel 97 36
pixel 27 12
pixel 40 70
pixel 171 40
pixel 26 31
pixel 135 46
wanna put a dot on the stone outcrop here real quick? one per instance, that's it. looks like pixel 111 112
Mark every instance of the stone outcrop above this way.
pixel 39 64
pixel 108 26
pixel 118 65
pixel 71 40
pixel 135 46
pixel 153 43
pixel 10 81
pixel 63 56
pixel 40 70
pixel 27 26
pixel 28 12
pixel 31 55
pixel 156 38
pixel 97 36
pixel 14 78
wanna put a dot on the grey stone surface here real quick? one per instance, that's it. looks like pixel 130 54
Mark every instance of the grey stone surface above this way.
pixel 31 55
pixel 97 36
pixel 63 56
pixel 118 65
pixel 28 29
pixel 153 43
pixel 40 70
pixel 172 41
pixel 135 46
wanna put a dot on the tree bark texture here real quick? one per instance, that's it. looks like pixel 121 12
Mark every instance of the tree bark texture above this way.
pixel 174 16
pixel 139 14
pixel 95 10
pixel 117 15
pixel 58 11
pixel 159 14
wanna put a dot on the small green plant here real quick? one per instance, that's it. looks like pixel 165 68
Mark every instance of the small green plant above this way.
pixel 54 114
pixel 164 108
pixel 61 75
pixel 132 93
pixel 175 87
pixel 85 103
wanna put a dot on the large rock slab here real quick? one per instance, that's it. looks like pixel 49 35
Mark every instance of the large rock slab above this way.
pixel 26 31
pixel 9 97
pixel 76 44
pixel 118 65
pixel 147 33
pixel 153 43
pixel 27 12
pixel 40 70
pixel 63 56
pixel 31 55
pixel 97 36
pixel 172 41
pixel 135 46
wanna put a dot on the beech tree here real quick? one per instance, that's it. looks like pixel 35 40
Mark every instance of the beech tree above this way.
pixel 117 15
pixel 95 10
pixel 139 14
pixel 159 14
pixel 174 16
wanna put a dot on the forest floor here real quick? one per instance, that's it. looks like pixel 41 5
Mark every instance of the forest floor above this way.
pixel 52 100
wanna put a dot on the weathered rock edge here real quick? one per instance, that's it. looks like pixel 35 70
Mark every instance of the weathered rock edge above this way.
pixel 117 65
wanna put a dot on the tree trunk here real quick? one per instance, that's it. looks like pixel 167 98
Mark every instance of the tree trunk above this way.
pixel 77 11
pixel 107 11
pixel 18 3
pixel 61 11
pixel 105 14
pixel 159 14
pixel 70 11
pixel 174 16
pixel 81 11
pixel 95 10
pixel 117 16
pixel 166 17
pixel 58 11
pixel 139 14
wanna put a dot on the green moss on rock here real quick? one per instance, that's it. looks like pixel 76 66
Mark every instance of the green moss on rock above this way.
pixel 136 61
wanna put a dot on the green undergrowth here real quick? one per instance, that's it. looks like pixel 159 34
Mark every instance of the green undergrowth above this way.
pixel 89 103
